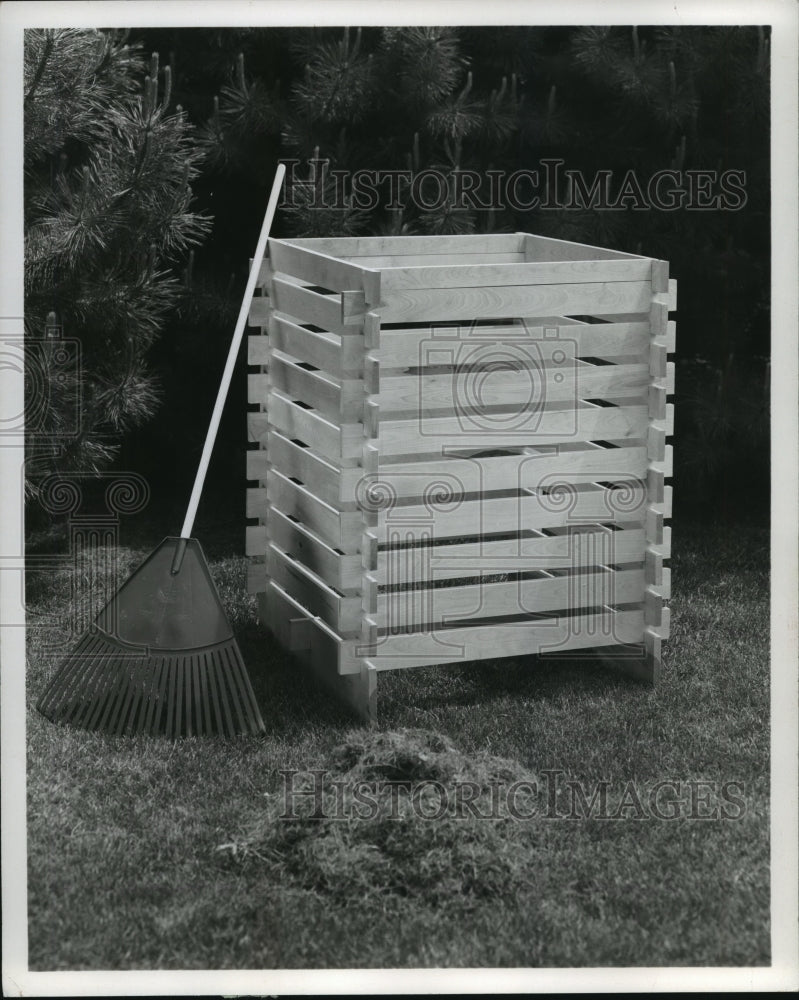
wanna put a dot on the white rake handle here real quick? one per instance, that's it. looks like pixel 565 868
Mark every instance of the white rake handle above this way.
pixel 227 376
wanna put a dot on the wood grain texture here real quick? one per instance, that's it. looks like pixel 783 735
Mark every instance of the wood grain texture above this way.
pixel 365 246
pixel 460 275
pixel 542 248
pixel 324 270
pixel 467 560
pixel 446 605
pixel 540 382
pixel 495 301
pixel 341 530
pixel 342 613
pixel 326 351
pixel 520 639
pixel 430 435
pixel 384 262
pixel 340 571
pixel 298 302
pixel 483 515
pixel 512 471
pixel 412 347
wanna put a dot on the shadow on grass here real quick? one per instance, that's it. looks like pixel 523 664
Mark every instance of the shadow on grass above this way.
pixel 290 699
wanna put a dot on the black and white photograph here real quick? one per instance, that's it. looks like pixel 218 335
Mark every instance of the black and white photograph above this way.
pixel 398 502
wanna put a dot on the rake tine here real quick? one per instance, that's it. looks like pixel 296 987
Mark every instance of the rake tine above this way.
pixel 114 701
pixel 216 697
pixel 149 702
pixel 195 681
pixel 62 683
pixel 246 693
pixel 158 708
pixel 133 684
pixel 99 656
pixel 204 693
pixel 230 677
pixel 171 708
pixel 221 680
pixel 102 693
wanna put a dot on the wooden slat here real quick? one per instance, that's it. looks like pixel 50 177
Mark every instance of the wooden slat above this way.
pixel 582 423
pixel 546 248
pixel 529 273
pixel 257 578
pixel 340 399
pixel 329 439
pixel 341 613
pixel 404 609
pixel 506 514
pixel 407 347
pixel 255 540
pixel 671 336
pixel 300 303
pixel 468 559
pixel 507 472
pixel 463 645
pixel 257 426
pixel 255 502
pixel 364 246
pixel 660 275
pixel 325 480
pixel 382 262
pixel 432 435
pixel 421 304
pixel 322 269
pixel 341 530
pixel 665 467
pixel 326 351
pixel 259 311
pixel 534 386
pixel 257 464
pixel 257 387
pixel 340 571
pixel 257 349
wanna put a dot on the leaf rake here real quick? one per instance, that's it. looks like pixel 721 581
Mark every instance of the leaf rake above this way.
pixel 161 657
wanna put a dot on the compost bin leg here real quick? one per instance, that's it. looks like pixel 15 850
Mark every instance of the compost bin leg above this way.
pixel 318 652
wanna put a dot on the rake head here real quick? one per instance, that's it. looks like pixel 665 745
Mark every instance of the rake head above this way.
pixel 160 659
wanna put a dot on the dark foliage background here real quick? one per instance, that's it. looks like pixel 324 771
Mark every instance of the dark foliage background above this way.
pixel 503 98
pixel 109 162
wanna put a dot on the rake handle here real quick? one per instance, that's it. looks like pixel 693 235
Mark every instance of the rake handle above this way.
pixel 227 376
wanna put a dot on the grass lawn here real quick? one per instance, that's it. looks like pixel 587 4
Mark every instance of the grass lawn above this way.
pixel 123 833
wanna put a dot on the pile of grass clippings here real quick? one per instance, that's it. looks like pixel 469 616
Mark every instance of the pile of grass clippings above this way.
pixel 400 812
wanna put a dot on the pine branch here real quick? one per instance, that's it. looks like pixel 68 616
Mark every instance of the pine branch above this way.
pixel 47 51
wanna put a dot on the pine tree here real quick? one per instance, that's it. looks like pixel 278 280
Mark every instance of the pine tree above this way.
pixel 388 98
pixel 108 171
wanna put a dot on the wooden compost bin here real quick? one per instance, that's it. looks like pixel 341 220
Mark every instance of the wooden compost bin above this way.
pixel 459 452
